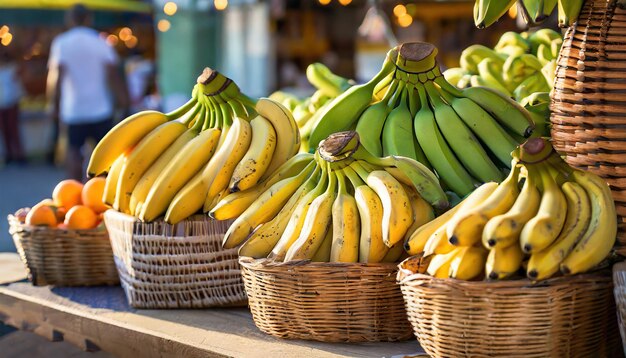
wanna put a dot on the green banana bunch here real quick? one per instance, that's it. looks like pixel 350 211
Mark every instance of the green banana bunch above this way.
pixel 534 12
pixel 538 105
pixel 326 81
pixel 569 11
pixel 473 55
pixel 532 84
pixel 487 12
pixel 510 43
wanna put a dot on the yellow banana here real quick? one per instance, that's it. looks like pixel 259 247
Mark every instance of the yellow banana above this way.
pixel 422 211
pixel 258 157
pixel 439 242
pixel 110 184
pixel 394 254
pixel 371 246
pixel 545 263
pixel 439 265
pixel 323 252
pixel 468 228
pixel 468 263
pixel 346 225
pixel 503 262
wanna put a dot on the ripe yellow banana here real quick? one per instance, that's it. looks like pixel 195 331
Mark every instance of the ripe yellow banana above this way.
pixel 439 265
pixel 258 157
pixel 422 211
pixel 503 262
pixel 371 246
pixel 141 158
pixel 346 225
pixel 545 263
pixel 178 172
pixel 121 138
pixel 394 254
pixel 143 186
pixel 439 242
pixel 266 236
pixel 503 230
pixel 468 263
pixel 323 252
pixel 316 224
pixel 265 208
pixel 540 231
pixel 597 241
pixel 110 184
pixel 468 227
pixel 234 204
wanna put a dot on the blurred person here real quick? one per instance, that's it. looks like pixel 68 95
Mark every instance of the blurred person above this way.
pixel 139 75
pixel 10 93
pixel 83 80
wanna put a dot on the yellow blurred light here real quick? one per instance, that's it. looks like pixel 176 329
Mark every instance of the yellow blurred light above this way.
pixel 324 2
pixel 405 20
pixel 399 10
pixel 163 25
pixel 170 8
pixel 125 33
pixel 131 42
pixel 513 11
pixel 36 50
pixel 7 38
pixel 345 2
pixel 3 30
pixel 112 40
pixel 411 9
pixel 220 4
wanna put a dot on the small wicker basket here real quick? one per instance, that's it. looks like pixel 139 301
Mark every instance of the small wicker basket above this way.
pixel 175 266
pixel 64 257
pixel 570 316
pixel 588 101
pixel 329 302
pixel 619 278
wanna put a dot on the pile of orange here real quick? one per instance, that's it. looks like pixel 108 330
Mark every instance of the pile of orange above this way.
pixel 74 205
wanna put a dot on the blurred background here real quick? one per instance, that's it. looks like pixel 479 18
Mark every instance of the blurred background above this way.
pixel 263 45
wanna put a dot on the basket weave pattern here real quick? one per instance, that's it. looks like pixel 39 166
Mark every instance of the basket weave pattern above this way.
pixel 589 99
pixel 175 266
pixel 562 317
pixel 64 257
pixel 330 302
pixel 619 278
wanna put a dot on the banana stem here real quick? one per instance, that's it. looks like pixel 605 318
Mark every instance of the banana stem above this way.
pixel 433 94
pixel 358 168
pixel 197 126
pixel 355 180
pixel 192 114
pixel 446 86
pixel 246 100
pixel 341 182
pixel 398 93
pixel 180 111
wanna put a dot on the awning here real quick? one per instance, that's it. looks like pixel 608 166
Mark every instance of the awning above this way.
pixel 105 5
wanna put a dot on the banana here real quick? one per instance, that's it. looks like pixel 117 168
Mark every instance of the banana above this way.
pixel 394 254
pixel 471 57
pixel 569 11
pixel 178 172
pixel 416 243
pixel 257 158
pixel 110 184
pixel 422 211
pixel 512 39
pixel 439 242
pixel 121 138
pixel 487 12
pixel 296 221
pixel 323 252
pixel 346 108
pixel 234 204
pixel 266 236
pixel 548 8
pixel 370 127
pixel 461 139
pixel 287 134
pixel 540 231
pixel 371 246
pixel 322 78
pixel 532 84
pixel 545 263
pixel 531 11
pixel 490 71
pixel 468 263
pixel 503 230
pixel 141 158
pixel 597 241
pixel 439 265
pixel 265 208
pixel 516 69
pixel 549 72
pixel 544 54
pixel 469 224
pixel 346 228
pixel 437 150
pixel 143 186
pixel 316 224
pixel 503 262
pixel 543 36
pixel 454 74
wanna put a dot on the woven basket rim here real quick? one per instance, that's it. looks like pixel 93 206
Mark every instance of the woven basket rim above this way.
pixel 252 263
pixel 14 222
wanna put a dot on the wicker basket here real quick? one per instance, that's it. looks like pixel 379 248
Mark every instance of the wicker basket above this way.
pixel 175 266
pixel 64 257
pixel 589 99
pixel 619 278
pixel 329 302
pixel 561 317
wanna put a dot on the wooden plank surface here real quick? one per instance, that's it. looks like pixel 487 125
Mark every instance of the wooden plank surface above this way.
pixel 99 318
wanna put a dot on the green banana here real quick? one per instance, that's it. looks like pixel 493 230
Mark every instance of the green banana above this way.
pixel 569 11
pixel 487 12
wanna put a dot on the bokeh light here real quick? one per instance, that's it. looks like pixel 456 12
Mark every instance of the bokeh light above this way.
pixel 170 8
pixel 7 38
pixel 324 2
pixel 112 40
pixel 163 25
pixel 345 2
pixel 125 34
pixel 3 30
pixel 220 4
pixel 405 20
pixel 399 10
pixel 131 42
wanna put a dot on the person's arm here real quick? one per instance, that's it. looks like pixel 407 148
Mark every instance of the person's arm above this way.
pixel 118 86
pixel 55 75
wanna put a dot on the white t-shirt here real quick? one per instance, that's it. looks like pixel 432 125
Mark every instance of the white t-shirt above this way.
pixel 85 95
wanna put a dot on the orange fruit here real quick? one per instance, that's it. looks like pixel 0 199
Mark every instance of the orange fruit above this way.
pixel 92 194
pixel 67 193
pixel 81 217
pixel 58 210
pixel 41 215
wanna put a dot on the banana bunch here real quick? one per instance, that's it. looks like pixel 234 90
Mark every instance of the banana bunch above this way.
pixel 518 66
pixel 465 135
pixel 545 216
pixel 534 12
pixel 538 105
pixel 328 86
pixel 341 204
pixel 179 163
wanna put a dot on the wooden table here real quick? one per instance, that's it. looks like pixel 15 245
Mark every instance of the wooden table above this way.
pixel 98 318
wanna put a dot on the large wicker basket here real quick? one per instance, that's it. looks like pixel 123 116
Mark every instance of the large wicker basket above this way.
pixel 330 302
pixel 619 278
pixel 64 257
pixel 175 266
pixel 561 317
pixel 589 99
